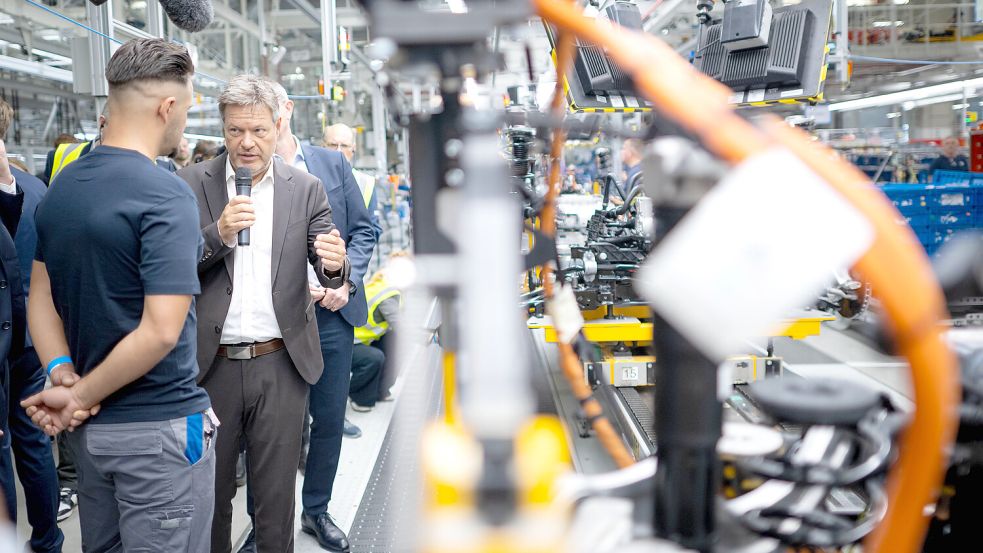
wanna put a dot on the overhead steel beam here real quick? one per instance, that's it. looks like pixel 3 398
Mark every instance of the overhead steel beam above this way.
pixel 300 19
pixel 307 8
pixel 19 8
pixel 48 88
pixel 665 13
pixel 13 36
pixel 35 69
pixel 237 19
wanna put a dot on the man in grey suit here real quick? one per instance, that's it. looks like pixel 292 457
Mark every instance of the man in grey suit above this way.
pixel 258 345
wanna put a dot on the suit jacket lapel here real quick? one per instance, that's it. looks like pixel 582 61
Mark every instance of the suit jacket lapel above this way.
pixel 283 194
pixel 217 197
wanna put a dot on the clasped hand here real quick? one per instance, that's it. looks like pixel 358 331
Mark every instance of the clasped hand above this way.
pixel 59 408
pixel 331 249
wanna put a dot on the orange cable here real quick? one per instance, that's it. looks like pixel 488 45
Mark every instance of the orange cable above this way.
pixel 569 361
pixel 894 265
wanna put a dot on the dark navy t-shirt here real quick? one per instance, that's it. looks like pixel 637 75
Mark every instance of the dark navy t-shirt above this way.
pixel 113 229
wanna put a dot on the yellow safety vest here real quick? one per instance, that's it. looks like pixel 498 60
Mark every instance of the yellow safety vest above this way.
pixel 376 292
pixel 366 184
pixel 65 154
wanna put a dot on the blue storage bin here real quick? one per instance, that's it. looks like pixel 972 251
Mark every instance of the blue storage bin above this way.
pixel 936 212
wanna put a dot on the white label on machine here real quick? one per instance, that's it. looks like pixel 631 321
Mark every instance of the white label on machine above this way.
pixel 762 243
pixel 756 95
pixel 629 373
pixel 793 93
pixel 737 97
pixel 617 101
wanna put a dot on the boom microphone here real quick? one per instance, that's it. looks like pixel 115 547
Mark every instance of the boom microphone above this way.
pixel 244 187
pixel 190 15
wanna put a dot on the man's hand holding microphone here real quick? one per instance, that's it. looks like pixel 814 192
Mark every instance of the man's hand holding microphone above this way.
pixel 239 214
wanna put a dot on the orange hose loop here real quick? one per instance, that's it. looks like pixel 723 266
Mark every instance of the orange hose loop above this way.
pixel 895 266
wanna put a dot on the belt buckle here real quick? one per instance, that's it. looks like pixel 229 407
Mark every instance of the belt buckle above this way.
pixel 239 353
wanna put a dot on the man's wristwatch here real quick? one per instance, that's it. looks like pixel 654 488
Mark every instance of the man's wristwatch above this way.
pixel 337 279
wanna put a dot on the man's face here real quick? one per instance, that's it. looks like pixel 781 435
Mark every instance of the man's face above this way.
pixel 183 151
pixel 950 146
pixel 250 136
pixel 177 119
pixel 342 142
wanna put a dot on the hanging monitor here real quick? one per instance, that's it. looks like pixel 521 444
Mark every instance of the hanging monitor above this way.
pixel 768 55
pixel 596 83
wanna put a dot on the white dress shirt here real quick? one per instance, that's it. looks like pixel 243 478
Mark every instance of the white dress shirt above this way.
pixel 9 188
pixel 251 316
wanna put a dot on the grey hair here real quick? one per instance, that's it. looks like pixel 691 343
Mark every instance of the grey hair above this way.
pixel 249 90
pixel 281 94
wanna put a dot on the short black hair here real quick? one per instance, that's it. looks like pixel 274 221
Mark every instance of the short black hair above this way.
pixel 149 59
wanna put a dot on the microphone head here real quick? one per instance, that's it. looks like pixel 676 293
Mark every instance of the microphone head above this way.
pixel 190 15
pixel 244 173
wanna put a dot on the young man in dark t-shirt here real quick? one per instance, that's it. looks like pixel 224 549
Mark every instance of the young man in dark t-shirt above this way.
pixel 112 316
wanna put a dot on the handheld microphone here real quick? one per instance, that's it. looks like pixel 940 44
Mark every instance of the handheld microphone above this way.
pixel 244 187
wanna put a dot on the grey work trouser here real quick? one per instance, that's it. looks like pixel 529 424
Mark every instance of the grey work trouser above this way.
pixel 139 493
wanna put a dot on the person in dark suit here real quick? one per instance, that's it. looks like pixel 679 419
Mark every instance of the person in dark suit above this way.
pixel 258 345
pixel 338 313
pixel 13 312
pixel 31 449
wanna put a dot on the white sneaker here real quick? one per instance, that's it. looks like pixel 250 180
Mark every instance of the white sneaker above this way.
pixel 360 408
pixel 68 499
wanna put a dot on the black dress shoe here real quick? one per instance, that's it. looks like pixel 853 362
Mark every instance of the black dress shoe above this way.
pixel 249 546
pixel 328 535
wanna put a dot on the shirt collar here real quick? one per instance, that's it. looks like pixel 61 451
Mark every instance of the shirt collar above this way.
pixel 230 173
pixel 298 156
pixel 300 150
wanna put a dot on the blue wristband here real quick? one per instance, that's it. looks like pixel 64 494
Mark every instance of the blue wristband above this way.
pixel 58 361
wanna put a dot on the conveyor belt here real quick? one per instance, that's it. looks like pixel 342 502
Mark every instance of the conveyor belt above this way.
pixel 633 417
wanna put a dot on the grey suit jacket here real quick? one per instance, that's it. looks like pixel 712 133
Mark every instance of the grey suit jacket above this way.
pixel 300 212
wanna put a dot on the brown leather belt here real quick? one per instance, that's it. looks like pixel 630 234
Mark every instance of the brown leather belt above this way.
pixel 249 351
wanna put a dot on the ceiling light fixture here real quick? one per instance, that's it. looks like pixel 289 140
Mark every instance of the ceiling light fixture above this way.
pixel 914 95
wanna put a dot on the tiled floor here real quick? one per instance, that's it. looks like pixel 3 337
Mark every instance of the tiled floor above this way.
pixel 357 460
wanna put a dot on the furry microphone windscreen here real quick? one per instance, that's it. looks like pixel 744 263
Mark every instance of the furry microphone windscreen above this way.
pixel 190 15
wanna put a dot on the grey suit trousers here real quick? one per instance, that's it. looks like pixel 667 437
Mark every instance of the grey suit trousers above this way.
pixel 263 400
